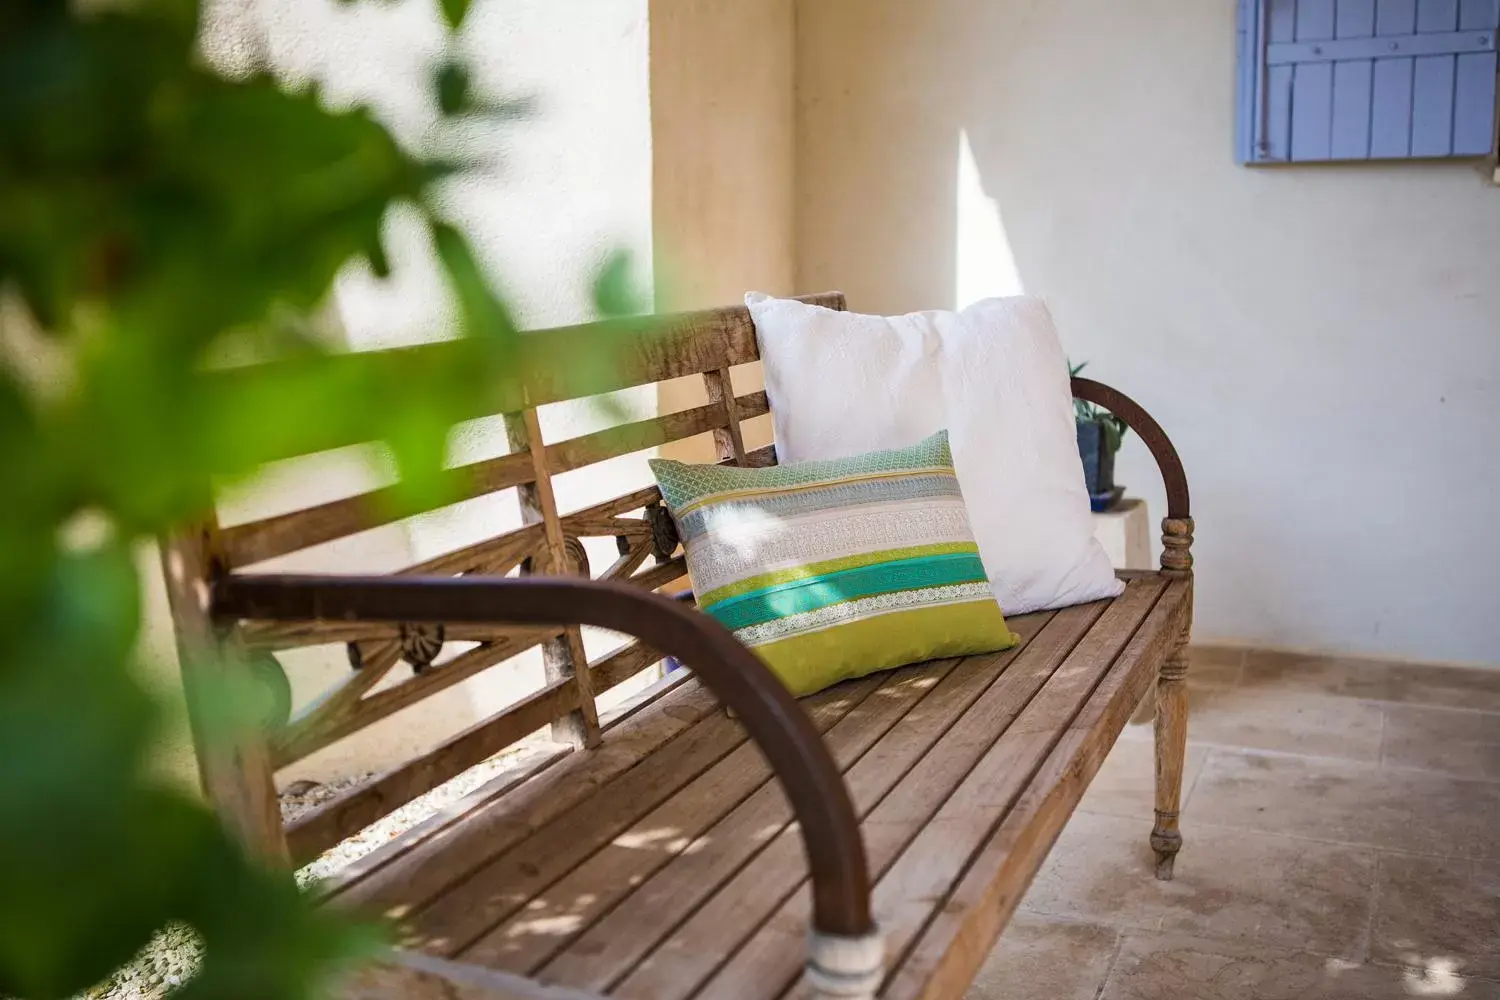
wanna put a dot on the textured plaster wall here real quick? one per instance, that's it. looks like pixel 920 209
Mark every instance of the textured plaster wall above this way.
pixel 1323 344
pixel 561 191
pixel 722 107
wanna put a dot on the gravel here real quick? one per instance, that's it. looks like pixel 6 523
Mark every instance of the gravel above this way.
pixel 168 961
pixel 172 956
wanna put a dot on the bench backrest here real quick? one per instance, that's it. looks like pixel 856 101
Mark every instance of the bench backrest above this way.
pixel 705 344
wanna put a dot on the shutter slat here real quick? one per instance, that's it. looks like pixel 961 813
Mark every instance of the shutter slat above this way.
pixel 1356 19
pixel 1352 94
pixel 1432 106
pixel 1278 132
pixel 1390 119
pixel 1312 111
pixel 1476 14
pixel 1315 20
pixel 1437 15
pixel 1282 21
pixel 1366 79
pixel 1395 17
pixel 1474 105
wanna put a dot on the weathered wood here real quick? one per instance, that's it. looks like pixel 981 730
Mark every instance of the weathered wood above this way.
pixel 893 722
pixel 661 575
pixel 752 404
pixel 625 439
pixel 826 816
pixel 492 892
pixel 1177 546
pixel 561 656
pixel 963 929
pixel 1170 730
pixel 415 879
pixel 356 809
pixel 316 730
pixel 256 541
pixel 412 976
pixel 630 561
pixel 525 765
pixel 601 518
pixel 727 438
pixel 919 853
pixel 1149 431
pixel 895 788
pixel 493 556
pixel 666 862
pixel 622 664
pixel 317 722
pixel 234 764
pixel 1172 705
pixel 655 691
pixel 624 353
pixel 538 927
pixel 761 458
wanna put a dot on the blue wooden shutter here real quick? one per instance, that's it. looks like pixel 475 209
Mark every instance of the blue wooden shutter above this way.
pixel 1366 79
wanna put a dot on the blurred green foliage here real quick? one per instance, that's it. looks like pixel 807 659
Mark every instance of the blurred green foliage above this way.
pixel 156 217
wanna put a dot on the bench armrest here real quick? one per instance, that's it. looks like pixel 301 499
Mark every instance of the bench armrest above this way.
pixel 1177 526
pixel 791 744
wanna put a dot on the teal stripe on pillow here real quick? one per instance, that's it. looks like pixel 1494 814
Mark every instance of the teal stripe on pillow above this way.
pixel 810 594
pixel 834 569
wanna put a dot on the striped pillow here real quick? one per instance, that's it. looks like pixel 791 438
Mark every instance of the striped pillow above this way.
pixel 835 569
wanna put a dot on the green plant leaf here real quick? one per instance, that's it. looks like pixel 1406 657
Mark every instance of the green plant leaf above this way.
pixel 454 12
pixel 452 84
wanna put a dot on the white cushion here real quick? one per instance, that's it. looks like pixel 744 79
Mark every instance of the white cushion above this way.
pixel 995 377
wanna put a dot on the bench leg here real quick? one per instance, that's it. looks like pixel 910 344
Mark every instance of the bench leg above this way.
pixel 1171 746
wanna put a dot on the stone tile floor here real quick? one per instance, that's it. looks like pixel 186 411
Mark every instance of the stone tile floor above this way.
pixel 1342 840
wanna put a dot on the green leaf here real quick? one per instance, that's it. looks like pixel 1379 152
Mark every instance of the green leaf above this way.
pixel 454 12
pixel 452 84
pixel 616 293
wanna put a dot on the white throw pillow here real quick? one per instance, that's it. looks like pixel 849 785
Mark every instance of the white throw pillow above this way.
pixel 993 375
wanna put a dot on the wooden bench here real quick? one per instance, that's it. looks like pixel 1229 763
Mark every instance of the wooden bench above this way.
pixel 872 839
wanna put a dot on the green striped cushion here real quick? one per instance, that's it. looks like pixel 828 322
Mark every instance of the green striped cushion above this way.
pixel 835 569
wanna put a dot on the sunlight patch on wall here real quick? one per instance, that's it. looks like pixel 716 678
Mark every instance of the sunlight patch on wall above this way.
pixel 984 265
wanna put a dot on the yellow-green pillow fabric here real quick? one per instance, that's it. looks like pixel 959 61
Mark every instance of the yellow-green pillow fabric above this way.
pixel 835 569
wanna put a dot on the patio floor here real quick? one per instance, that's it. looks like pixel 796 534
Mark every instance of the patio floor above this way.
pixel 1342 840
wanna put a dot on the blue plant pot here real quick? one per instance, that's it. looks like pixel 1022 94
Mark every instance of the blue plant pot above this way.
pixel 1098 465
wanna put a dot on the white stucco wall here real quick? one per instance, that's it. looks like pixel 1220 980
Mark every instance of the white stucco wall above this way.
pixel 564 188
pixel 723 130
pixel 1323 344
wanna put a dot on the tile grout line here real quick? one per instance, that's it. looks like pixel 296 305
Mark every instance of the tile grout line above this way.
pixel 1124 929
pixel 1367 942
pixel 1366 846
pixel 1380 747
pixel 1377 764
pixel 1109 967
pixel 1325 758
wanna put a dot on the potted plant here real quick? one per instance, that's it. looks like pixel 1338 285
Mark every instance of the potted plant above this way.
pixel 1099 436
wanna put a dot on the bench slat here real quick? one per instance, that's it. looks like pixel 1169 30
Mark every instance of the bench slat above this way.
pixel 696 950
pixel 256 541
pixel 317 729
pixel 697 760
pixel 960 934
pixel 919 852
pixel 614 945
pixel 680 874
pixel 356 809
pixel 408 882
pixel 553 919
